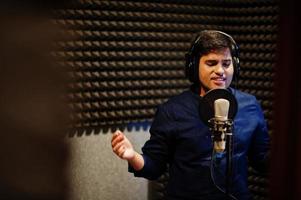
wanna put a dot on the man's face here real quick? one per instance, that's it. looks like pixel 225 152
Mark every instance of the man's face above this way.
pixel 215 70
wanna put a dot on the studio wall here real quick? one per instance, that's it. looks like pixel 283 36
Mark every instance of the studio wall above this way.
pixel 126 57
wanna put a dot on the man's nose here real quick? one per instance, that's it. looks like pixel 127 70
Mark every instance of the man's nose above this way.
pixel 219 69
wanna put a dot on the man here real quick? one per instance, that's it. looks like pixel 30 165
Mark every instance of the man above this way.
pixel 180 139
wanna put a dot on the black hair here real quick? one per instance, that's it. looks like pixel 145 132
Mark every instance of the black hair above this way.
pixel 208 40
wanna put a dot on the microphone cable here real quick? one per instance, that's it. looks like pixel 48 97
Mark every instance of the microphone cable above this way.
pixel 213 180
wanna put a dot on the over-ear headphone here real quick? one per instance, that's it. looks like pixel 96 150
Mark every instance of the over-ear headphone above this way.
pixel 193 56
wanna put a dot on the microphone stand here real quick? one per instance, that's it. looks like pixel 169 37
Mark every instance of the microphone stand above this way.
pixel 229 154
pixel 221 129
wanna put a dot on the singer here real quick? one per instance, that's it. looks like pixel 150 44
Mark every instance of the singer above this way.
pixel 181 140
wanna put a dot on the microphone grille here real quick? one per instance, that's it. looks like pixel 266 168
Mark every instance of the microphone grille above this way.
pixel 221 109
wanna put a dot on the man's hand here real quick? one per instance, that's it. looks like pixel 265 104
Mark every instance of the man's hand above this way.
pixel 123 148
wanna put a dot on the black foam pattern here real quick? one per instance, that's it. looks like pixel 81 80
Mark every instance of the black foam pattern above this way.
pixel 126 57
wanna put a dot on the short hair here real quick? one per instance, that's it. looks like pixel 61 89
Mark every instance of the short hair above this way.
pixel 209 40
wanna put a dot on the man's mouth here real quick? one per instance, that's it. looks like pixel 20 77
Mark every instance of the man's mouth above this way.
pixel 219 80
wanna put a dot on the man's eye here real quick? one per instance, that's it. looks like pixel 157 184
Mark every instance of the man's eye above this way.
pixel 226 64
pixel 211 63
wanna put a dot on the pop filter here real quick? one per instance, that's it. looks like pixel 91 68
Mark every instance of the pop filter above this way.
pixel 206 107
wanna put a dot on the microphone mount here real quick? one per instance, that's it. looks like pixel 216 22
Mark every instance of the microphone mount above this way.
pixel 220 129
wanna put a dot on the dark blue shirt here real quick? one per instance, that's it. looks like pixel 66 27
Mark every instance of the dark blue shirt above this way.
pixel 180 139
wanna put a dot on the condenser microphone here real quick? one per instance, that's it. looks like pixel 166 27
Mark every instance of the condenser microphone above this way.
pixel 221 109
pixel 218 108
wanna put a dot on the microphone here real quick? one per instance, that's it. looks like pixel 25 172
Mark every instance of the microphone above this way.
pixel 220 124
pixel 217 109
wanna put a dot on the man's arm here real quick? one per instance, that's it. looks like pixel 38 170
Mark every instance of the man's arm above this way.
pixel 156 151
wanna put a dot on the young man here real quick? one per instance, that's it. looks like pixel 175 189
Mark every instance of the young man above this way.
pixel 181 139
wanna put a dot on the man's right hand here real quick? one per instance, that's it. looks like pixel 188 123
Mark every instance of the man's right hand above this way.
pixel 123 148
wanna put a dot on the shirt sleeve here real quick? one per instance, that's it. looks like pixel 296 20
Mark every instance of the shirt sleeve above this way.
pixel 260 144
pixel 158 149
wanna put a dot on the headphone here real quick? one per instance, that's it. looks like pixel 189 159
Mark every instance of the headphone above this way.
pixel 192 58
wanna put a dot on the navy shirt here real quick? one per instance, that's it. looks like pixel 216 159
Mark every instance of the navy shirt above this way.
pixel 180 139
